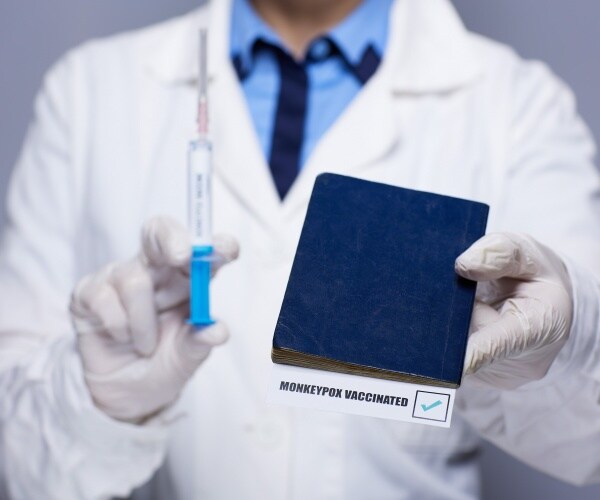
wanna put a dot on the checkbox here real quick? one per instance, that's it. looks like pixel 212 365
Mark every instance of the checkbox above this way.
pixel 431 406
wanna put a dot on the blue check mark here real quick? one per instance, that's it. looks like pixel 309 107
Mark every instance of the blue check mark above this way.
pixel 431 406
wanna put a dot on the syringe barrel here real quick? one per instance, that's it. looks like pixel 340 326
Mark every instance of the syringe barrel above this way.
pixel 200 193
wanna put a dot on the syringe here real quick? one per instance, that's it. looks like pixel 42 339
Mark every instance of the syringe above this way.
pixel 200 201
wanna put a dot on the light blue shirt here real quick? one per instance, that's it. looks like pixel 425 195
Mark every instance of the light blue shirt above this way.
pixel 331 83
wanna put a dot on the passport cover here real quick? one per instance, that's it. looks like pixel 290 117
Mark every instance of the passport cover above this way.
pixel 372 290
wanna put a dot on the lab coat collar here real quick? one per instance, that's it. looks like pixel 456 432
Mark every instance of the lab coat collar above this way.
pixel 429 47
pixel 428 51
pixel 172 55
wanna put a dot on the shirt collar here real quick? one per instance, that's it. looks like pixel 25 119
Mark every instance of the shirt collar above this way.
pixel 246 29
pixel 366 26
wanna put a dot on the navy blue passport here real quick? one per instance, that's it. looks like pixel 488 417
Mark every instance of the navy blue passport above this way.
pixel 373 290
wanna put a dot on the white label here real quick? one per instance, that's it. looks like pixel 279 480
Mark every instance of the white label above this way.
pixel 339 392
pixel 200 197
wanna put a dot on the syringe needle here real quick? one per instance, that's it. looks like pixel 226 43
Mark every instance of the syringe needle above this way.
pixel 202 86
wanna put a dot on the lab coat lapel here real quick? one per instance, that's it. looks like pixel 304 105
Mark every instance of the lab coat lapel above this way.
pixel 428 52
pixel 238 160
pixel 366 131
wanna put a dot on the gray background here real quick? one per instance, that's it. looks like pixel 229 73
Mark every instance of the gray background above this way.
pixel 34 33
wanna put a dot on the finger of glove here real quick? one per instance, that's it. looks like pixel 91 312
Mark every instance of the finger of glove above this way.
pixel 174 290
pixel 96 308
pixel 174 287
pixel 194 345
pixel 165 242
pixel 497 256
pixel 135 287
pixel 523 325
pixel 483 315
pixel 226 249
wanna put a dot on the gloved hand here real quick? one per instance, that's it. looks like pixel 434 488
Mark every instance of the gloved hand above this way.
pixel 136 347
pixel 522 315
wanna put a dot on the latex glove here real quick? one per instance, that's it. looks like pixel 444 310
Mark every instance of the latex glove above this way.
pixel 137 349
pixel 522 315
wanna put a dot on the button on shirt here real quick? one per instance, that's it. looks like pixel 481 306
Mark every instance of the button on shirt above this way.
pixel 336 65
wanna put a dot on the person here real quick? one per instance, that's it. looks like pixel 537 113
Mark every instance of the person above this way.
pixel 105 390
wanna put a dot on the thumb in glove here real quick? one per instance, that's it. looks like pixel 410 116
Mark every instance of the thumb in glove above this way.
pixel 523 313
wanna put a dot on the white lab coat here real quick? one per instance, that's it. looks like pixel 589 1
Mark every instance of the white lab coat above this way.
pixel 448 111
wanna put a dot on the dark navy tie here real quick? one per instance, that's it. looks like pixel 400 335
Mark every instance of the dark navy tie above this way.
pixel 288 129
